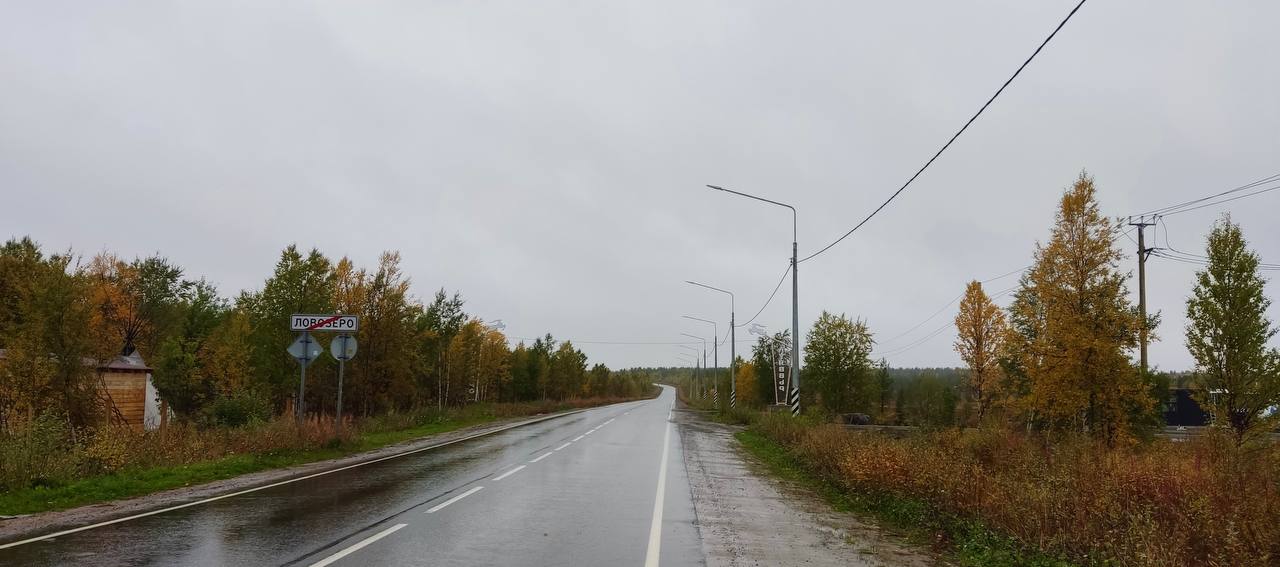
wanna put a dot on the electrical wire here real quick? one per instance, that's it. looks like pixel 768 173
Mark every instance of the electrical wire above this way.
pixel 932 334
pixel 954 136
pixel 1259 192
pixel 771 295
pixel 1250 185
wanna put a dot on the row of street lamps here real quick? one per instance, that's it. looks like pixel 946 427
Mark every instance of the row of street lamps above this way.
pixel 793 397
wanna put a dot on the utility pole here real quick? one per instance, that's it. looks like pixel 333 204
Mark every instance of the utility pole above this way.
pixel 1143 252
pixel 795 327
pixel 794 395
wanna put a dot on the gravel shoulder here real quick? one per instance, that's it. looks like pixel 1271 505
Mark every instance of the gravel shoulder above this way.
pixel 747 517
pixel 33 525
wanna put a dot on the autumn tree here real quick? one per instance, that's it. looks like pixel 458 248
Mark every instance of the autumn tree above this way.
pixel 183 374
pixel 981 332
pixel 388 323
pixel 138 302
pixel 45 315
pixel 837 364
pixel 299 284
pixel 1076 328
pixel 1227 334
pixel 768 352
pixel 437 324
pixel 568 368
pixel 745 381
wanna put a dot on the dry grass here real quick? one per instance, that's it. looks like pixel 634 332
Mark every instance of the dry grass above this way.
pixel 1196 503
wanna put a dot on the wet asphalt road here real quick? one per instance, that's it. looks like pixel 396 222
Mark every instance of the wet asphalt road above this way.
pixel 574 490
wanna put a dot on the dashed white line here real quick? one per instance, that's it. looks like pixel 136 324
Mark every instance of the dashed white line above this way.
pixel 442 506
pixel 283 482
pixel 509 473
pixel 578 438
pixel 356 547
pixel 565 445
pixel 544 455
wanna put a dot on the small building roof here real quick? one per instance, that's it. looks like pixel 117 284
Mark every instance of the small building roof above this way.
pixel 130 363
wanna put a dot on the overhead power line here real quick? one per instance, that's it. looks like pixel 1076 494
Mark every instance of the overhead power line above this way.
pixel 1258 192
pixel 936 332
pixel 954 136
pixel 1247 186
pixel 771 295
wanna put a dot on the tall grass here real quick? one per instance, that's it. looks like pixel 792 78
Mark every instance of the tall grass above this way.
pixel 1201 502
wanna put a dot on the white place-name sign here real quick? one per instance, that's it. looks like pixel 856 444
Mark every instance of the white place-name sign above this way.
pixel 339 323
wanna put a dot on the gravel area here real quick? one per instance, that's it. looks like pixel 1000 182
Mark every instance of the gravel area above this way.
pixel 747 517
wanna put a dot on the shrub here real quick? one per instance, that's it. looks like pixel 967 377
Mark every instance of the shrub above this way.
pixel 41 452
pixel 1196 503
pixel 238 410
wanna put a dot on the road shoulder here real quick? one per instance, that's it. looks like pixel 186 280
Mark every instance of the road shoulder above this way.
pixel 747 517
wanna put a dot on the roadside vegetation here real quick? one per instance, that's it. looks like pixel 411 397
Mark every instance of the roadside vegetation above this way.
pixel 1042 451
pixel 221 372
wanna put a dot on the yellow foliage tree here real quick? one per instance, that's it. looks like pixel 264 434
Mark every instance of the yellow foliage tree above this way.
pixel 981 332
pixel 1076 328
pixel 746 383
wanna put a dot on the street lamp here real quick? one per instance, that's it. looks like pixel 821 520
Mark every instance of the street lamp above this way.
pixel 715 348
pixel 693 361
pixel 733 353
pixel 714 385
pixel 697 382
pixel 795 300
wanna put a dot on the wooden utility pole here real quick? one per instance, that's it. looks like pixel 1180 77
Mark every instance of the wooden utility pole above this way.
pixel 1143 252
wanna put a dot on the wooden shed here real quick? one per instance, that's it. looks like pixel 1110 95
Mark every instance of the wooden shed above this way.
pixel 125 388
pixel 124 383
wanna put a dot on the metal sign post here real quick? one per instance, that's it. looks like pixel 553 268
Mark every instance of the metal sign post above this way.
pixel 342 348
pixel 306 349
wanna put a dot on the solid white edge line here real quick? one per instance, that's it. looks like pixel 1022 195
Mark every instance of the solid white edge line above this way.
pixel 358 546
pixel 565 445
pixel 509 473
pixel 655 528
pixel 284 482
pixel 588 433
pixel 578 438
pixel 544 455
pixel 446 503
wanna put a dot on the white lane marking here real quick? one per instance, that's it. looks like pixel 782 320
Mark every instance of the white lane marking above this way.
pixel 608 422
pixel 358 546
pixel 588 433
pixel 655 528
pixel 578 438
pixel 441 506
pixel 283 482
pixel 565 445
pixel 626 413
pixel 545 455
pixel 509 473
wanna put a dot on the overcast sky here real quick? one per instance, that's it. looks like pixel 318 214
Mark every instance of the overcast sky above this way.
pixel 547 159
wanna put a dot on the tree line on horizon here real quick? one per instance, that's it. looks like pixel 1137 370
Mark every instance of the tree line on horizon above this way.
pixel 223 360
